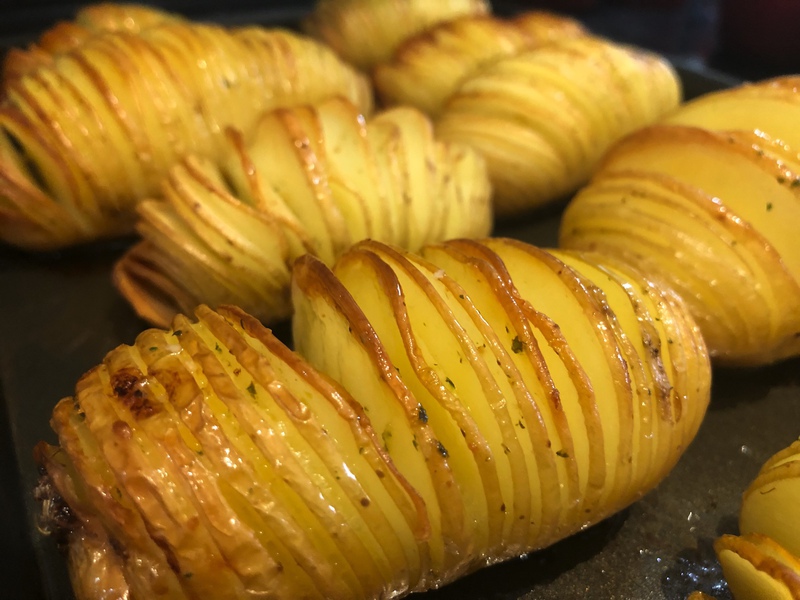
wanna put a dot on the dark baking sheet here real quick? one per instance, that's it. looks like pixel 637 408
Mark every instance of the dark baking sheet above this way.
pixel 59 315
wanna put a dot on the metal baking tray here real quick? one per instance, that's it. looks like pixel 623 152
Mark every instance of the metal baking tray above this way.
pixel 59 315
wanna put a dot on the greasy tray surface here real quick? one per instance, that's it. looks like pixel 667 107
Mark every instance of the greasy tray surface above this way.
pixel 59 315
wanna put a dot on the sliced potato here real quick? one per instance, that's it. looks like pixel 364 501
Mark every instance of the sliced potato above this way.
pixel 307 179
pixel 366 33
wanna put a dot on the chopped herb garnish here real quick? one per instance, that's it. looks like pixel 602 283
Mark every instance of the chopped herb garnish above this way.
pixel 796 183
pixel 217 348
pixel 386 436
pixel 422 414
pixel 781 180
pixel 517 345
pixel 177 333
pixel 153 348
pixel 562 454
pixel 520 424
pixel 252 389
pixel 450 382
pixel 188 575
pixel 506 449
pixel 769 206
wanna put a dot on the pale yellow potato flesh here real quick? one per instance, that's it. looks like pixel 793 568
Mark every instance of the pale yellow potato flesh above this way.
pixel 769 505
pixel 747 110
pixel 374 288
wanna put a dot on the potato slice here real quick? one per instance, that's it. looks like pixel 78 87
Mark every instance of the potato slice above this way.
pixel 390 507
pixel 769 505
pixel 691 193
pixel 755 569
pixel 376 289
pixel 573 303
pixel 427 67
pixel 352 173
pixel 457 359
pixel 332 332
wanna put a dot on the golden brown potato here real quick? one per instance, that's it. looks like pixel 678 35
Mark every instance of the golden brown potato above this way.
pixel 427 68
pixel 82 139
pixel 708 203
pixel 544 118
pixel 366 32
pixel 309 179
pixel 489 412
pixel 68 35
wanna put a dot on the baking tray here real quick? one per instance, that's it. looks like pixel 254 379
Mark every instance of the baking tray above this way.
pixel 59 315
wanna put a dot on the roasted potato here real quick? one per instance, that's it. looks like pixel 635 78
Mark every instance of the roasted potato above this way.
pixel 366 32
pixel 543 119
pixel 708 203
pixel 89 132
pixel 309 179
pixel 500 398
pixel 427 68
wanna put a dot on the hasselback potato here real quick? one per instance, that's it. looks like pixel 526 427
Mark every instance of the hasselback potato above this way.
pixel 366 32
pixel 67 35
pixel 82 138
pixel 708 203
pixel 308 179
pixel 427 68
pixel 544 118
pixel 494 398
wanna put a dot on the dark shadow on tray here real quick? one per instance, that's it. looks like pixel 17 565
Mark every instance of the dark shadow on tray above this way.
pixel 512 579
pixel 101 252
pixel 744 385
